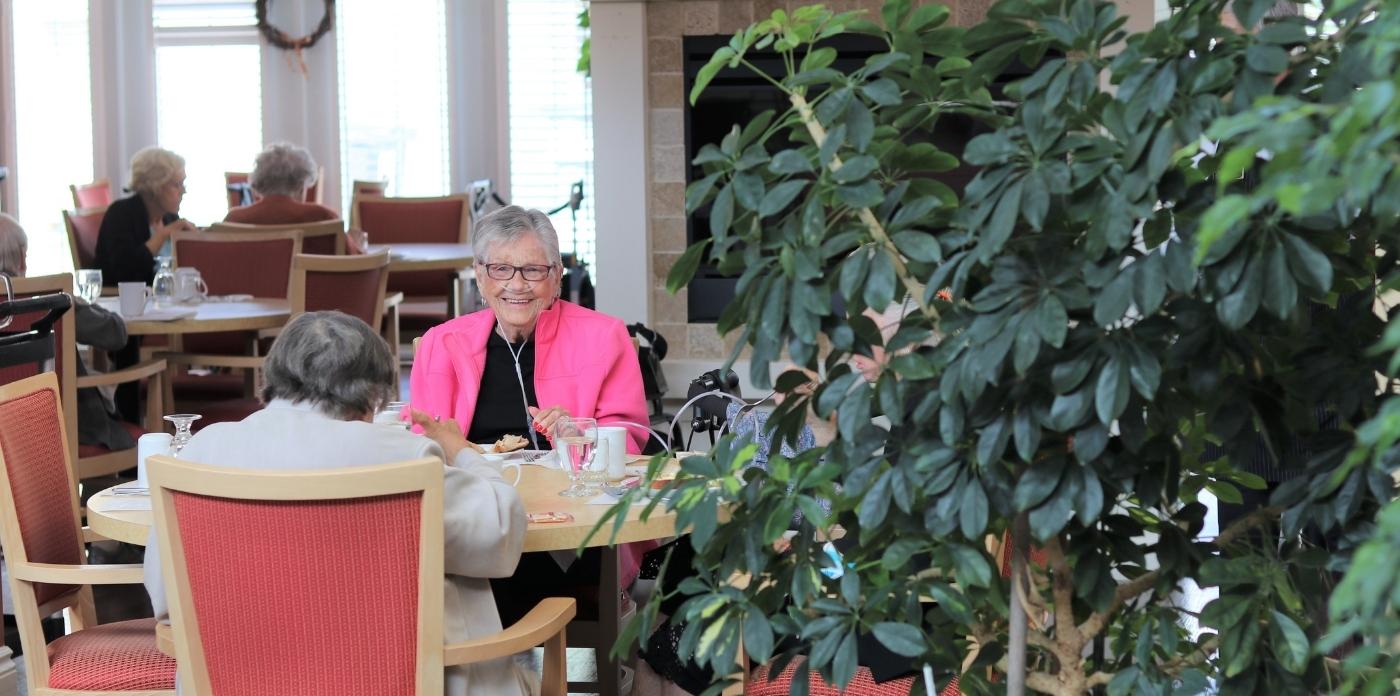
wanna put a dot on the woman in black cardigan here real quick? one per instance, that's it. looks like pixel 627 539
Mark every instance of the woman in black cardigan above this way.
pixel 135 228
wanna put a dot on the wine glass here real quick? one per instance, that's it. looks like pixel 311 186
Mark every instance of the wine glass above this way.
pixel 576 439
pixel 182 422
pixel 89 284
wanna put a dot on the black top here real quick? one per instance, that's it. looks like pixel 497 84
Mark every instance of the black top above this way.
pixel 498 408
pixel 121 242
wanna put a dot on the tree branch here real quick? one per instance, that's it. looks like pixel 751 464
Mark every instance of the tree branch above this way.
pixel 1062 587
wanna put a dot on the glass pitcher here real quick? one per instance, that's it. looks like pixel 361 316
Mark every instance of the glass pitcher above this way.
pixel 163 286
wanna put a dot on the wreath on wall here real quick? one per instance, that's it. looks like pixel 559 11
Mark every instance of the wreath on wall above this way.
pixel 287 42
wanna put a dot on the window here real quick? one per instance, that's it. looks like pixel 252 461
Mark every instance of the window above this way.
pixel 53 122
pixel 393 95
pixel 551 116
pixel 208 96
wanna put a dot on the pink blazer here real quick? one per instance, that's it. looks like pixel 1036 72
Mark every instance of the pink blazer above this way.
pixel 584 361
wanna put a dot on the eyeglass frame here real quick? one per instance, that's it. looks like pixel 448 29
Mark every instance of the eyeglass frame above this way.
pixel 514 270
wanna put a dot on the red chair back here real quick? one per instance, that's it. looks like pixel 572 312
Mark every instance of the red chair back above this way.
pixel 233 183
pixel 352 284
pixel 325 237
pixel 83 225
pixel 442 220
pixel 42 491
pixel 64 348
pixel 864 684
pixel 253 263
pixel 97 194
pixel 265 604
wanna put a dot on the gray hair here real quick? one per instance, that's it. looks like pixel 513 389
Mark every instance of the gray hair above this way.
pixel 283 169
pixel 13 245
pixel 333 361
pixel 511 223
pixel 152 168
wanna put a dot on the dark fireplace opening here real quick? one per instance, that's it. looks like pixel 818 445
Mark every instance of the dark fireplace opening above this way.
pixel 736 96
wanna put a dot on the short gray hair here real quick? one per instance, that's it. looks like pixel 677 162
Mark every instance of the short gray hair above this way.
pixel 13 245
pixel 152 168
pixel 283 169
pixel 511 223
pixel 333 361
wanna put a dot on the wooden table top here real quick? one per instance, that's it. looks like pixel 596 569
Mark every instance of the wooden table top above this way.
pixel 250 315
pixel 539 489
pixel 426 257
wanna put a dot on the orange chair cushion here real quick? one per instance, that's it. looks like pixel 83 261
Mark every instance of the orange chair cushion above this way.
pixel 863 684
pixel 135 430
pixel 119 656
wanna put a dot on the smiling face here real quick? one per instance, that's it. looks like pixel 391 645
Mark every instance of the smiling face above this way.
pixel 516 302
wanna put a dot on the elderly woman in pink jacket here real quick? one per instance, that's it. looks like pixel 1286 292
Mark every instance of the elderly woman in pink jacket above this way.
pixel 529 358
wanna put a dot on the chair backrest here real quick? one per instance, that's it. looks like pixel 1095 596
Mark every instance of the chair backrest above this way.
pixel 83 225
pixel 38 505
pixel 325 237
pixel 254 263
pixel 97 194
pixel 438 220
pixel 352 284
pixel 316 193
pixel 361 617
pixel 65 349
pixel 237 188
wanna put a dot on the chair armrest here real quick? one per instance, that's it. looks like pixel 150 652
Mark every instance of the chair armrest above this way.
pixel 242 361
pixel 548 618
pixel 63 574
pixel 134 373
pixel 393 299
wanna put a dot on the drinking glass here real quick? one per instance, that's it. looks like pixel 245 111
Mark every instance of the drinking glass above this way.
pixel 182 423
pixel 392 414
pixel 89 284
pixel 163 287
pixel 576 438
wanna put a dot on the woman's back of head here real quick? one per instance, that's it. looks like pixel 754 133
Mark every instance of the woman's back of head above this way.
pixel 333 361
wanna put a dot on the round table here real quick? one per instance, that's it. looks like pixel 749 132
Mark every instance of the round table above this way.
pixel 248 315
pixel 539 489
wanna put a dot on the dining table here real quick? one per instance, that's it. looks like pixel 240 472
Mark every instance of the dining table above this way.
pixel 204 317
pixel 115 514
pixel 405 257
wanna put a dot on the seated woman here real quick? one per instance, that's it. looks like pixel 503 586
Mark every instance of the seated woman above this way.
pixel 137 228
pixel 325 377
pixel 529 358
pixel 281 176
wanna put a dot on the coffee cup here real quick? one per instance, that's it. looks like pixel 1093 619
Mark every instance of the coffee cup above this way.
pixel 131 298
pixel 500 461
pixel 189 285
pixel 612 451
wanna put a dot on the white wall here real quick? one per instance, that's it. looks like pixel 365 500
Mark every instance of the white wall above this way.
pixel 123 85
pixel 620 158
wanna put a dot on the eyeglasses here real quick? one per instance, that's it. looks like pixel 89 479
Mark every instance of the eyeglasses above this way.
pixel 505 271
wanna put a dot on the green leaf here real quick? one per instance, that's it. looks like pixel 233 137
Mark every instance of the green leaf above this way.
pixel 855 169
pixel 1048 519
pixel 1267 59
pixel 1310 266
pixel 708 72
pixel 1070 374
pixel 875 504
pixel 790 162
pixel 1035 199
pixel 698 191
pixel 1037 483
pixel 780 196
pixel 819 58
pixel 1111 395
pixel 1290 644
pixel 1280 290
pixel 685 267
pixel 879 286
pixel 1149 283
pixel 1114 299
pixel 927 16
pixel 1003 221
pixel 748 190
pixel 1025 433
pixel 919 246
pixel 1068 411
pixel 900 639
pixel 989 148
pixel 1224 214
pixel 852 273
pixel 860 125
pixel 722 212
pixel 971 566
pixel 883 91
pixel 1088 504
pixel 972 516
pixel 1052 321
pixel 1237 308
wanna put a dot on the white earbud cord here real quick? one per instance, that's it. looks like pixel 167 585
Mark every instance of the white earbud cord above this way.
pixel 520 379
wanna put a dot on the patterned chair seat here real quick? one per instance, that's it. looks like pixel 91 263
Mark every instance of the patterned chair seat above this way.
pixel 111 657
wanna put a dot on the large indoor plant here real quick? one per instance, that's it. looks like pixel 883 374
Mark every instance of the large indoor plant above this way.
pixel 1118 302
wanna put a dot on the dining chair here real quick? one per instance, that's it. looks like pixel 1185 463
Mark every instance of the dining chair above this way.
pixel 92 460
pixel 43 541
pixel 83 226
pixel 765 684
pixel 97 194
pixel 368 187
pixel 312 614
pixel 251 263
pixel 351 284
pixel 316 192
pixel 325 237
pixel 439 220
pixel 238 190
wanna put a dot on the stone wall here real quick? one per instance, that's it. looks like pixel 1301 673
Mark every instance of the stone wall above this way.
pixel 667 22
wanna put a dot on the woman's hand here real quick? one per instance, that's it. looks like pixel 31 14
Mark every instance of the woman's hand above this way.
pixel 160 233
pixel 446 433
pixel 546 418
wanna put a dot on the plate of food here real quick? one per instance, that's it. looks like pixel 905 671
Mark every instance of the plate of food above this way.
pixel 500 449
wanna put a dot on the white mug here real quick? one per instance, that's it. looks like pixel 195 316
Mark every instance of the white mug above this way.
pixel 131 297
pixel 612 451
pixel 500 460
pixel 189 285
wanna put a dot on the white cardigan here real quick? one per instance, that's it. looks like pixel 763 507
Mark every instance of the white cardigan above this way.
pixel 483 516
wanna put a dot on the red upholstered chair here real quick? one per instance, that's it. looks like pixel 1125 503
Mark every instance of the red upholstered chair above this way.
pixel 97 194
pixel 311 614
pixel 235 183
pixel 83 225
pixel 43 543
pixel 325 237
pixel 351 284
pixel 762 684
pixel 441 220
pixel 92 460
pixel 316 192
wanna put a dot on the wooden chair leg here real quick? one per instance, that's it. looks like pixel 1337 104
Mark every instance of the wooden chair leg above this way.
pixel 553 680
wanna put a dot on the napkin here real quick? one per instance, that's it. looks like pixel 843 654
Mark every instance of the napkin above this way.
pixel 147 445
